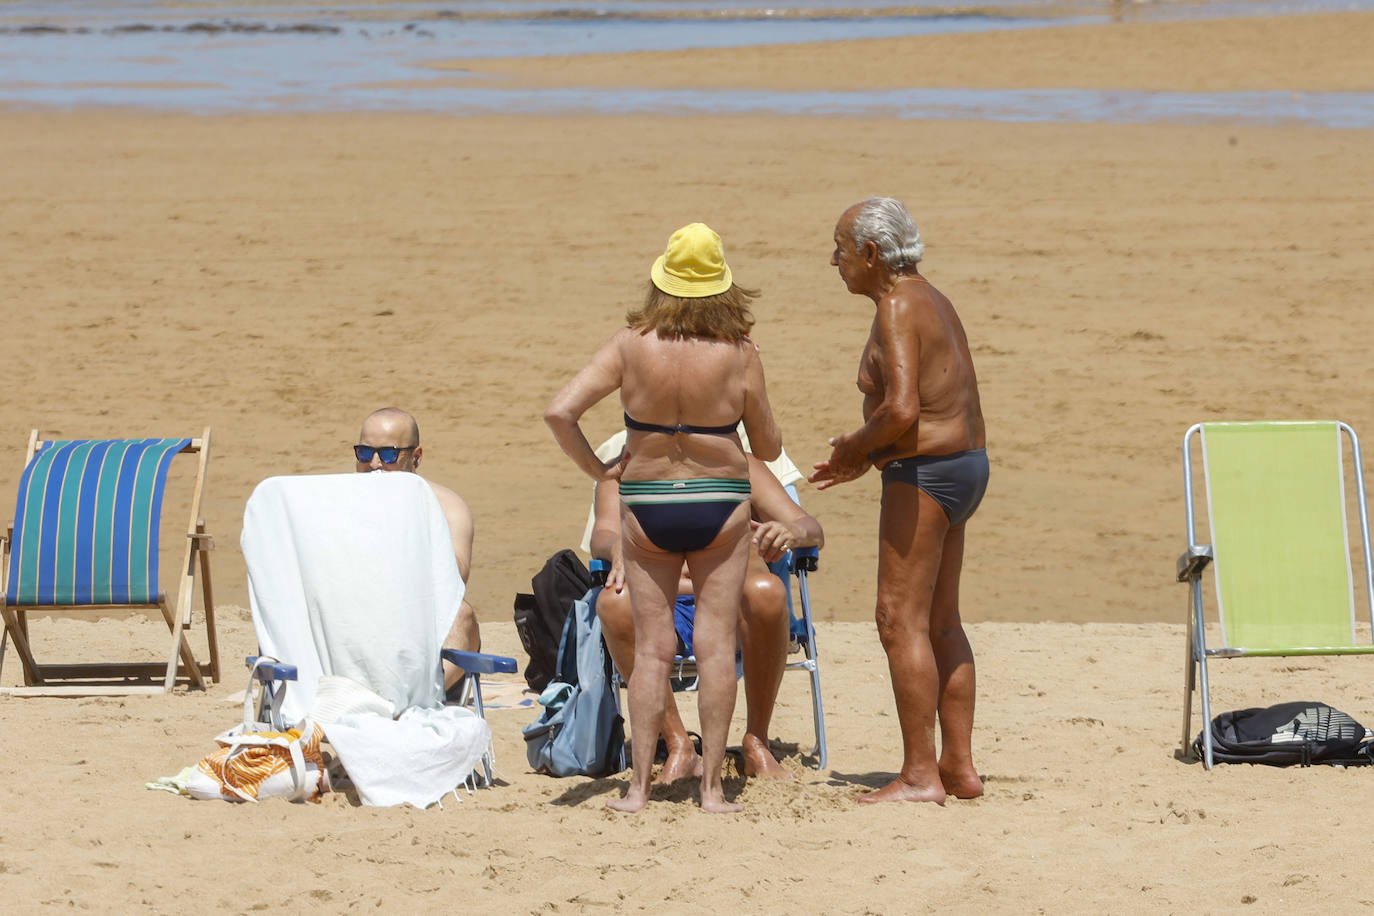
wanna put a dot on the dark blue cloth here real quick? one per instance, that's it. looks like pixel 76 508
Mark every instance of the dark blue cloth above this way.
pixel 957 482
pixel 684 621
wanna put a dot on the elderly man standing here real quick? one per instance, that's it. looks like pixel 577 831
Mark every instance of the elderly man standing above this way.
pixel 923 428
pixel 390 441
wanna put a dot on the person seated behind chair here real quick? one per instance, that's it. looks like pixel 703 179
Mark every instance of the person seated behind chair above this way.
pixel 779 525
pixel 391 433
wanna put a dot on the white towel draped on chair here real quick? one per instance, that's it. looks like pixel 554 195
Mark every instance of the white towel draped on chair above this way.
pixel 353 575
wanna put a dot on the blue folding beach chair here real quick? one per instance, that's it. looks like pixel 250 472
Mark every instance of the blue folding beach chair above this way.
pixel 801 562
pixel 312 545
pixel 85 537
pixel 274 675
pixel 796 564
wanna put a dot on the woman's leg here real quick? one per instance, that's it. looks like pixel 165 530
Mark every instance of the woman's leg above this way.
pixel 718 576
pixel 651 576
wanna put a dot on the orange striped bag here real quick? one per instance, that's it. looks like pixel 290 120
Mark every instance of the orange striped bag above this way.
pixel 255 762
pixel 253 765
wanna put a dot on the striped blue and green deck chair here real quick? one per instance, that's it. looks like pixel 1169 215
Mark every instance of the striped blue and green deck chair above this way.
pixel 1277 506
pixel 85 537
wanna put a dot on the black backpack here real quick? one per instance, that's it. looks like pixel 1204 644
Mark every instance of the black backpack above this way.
pixel 1300 733
pixel 539 617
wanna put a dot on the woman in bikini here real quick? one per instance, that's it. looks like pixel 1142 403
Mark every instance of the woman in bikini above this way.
pixel 687 374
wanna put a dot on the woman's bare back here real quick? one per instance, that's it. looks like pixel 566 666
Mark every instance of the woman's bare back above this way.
pixel 688 380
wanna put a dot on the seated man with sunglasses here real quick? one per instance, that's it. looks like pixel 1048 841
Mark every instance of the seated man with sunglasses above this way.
pixel 390 441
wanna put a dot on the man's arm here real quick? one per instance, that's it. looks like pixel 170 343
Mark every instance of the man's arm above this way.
pixel 899 349
pixel 898 345
pixel 460 526
pixel 464 634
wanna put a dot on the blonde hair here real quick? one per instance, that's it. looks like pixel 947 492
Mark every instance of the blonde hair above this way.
pixel 725 316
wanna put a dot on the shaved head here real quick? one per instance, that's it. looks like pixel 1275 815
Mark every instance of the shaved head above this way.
pixel 391 427
pixel 391 420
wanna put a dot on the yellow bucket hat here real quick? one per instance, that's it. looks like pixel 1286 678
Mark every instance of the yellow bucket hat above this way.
pixel 694 265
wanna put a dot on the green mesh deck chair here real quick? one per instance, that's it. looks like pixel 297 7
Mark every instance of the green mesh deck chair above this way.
pixel 1279 551
pixel 85 537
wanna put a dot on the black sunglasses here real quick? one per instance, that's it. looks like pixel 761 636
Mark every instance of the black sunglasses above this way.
pixel 388 453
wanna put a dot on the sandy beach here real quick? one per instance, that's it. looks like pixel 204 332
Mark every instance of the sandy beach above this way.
pixel 276 277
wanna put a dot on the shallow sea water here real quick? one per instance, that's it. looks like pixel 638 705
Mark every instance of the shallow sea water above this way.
pixel 281 57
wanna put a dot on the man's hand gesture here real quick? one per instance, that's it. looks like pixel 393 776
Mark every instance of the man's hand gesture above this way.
pixel 844 464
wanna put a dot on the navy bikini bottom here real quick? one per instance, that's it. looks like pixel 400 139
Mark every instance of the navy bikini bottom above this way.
pixel 680 516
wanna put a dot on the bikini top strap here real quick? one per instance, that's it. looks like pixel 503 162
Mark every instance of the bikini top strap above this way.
pixel 632 423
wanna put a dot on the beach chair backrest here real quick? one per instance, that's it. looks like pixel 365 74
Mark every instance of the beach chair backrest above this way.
pixel 352 575
pixel 86 523
pixel 1277 507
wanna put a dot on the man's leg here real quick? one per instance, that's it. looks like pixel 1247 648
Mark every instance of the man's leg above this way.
pixel 463 636
pixel 954 659
pixel 911 534
pixel 651 577
pixel 618 627
pixel 763 641
pixel 718 577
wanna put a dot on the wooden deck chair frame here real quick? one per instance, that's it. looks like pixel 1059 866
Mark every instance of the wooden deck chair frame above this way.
pixel 1265 494
pixel 122 678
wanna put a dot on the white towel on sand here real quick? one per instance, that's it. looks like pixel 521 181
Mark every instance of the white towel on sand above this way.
pixel 352 575
pixel 415 759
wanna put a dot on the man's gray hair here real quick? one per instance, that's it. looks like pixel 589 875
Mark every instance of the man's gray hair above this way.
pixel 885 222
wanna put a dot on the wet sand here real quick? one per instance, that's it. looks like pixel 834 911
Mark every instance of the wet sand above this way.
pixel 1327 52
pixel 278 277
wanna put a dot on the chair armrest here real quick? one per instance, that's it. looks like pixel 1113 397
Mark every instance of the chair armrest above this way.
pixel 203 541
pixel 479 662
pixel 599 569
pixel 805 559
pixel 1193 561
pixel 272 671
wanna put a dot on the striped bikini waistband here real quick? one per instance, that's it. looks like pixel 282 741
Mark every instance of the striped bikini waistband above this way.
pixel 695 490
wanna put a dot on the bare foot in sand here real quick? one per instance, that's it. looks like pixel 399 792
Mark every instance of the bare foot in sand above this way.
pixel 635 800
pixel 901 790
pixel 715 803
pixel 759 760
pixel 682 762
pixel 963 783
